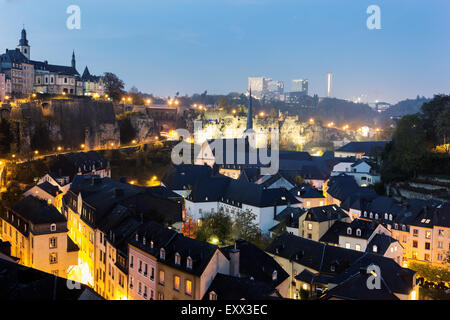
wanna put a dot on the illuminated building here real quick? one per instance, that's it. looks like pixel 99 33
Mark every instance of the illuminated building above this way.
pixel 38 236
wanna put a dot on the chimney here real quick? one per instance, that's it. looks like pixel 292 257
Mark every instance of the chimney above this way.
pixel 234 261
pixel 274 210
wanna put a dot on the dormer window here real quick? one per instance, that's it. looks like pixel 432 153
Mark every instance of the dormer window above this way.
pixel 358 232
pixel 137 237
pixel 189 263
pixel 333 268
pixel 375 248
pixel 212 295
pixel 349 230
pixel 365 213
pixel 376 216
pixel 177 259
pixel 162 254
pixel 386 216
pixel 151 244
pixel 371 215
pixel 53 227
pixel 274 275
pixel 390 217
pixel 143 241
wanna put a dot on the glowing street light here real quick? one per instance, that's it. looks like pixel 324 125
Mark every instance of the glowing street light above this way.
pixel 177 102
pixel 82 146
pixel 36 152
pixel 59 148
pixel 134 142
pixel 311 120
pixel 149 101
pixel 233 111
pixel 262 114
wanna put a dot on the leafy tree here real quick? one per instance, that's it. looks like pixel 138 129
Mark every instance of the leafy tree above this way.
pixel 215 225
pixel 12 195
pixel 113 86
pixel 5 137
pixel 222 102
pixel 127 132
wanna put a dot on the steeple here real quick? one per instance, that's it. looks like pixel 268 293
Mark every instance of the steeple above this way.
pixel 23 39
pixel 74 64
pixel 250 114
pixel 23 45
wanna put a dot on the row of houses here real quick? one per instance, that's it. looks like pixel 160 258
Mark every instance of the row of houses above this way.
pixel 20 75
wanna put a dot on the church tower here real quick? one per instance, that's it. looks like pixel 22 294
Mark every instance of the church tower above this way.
pixel 23 44
pixel 74 63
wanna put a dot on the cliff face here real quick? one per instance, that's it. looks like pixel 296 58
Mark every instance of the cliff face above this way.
pixel 69 123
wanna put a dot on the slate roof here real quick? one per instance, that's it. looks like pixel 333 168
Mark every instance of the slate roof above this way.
pixel 18 282
pixel 13 56
pixel 325 213
pixel 344 265
pixel 70 164
pixel 37 211
pixel 342 186
pixel 340 228
pixel 366 147
pixel 256 195
pixel 180 177
pixel 153 233
pixel 332 234
pixel 49 188
pixel 201 253
pixel 87 76
pixel 382 243
pixel 233 288
pixel 255 263
pixel 290 216
pixel 62 70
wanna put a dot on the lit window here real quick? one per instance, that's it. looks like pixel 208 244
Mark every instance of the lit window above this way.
pixel 53 227
pixel 177 259
pixel 375 248
pixel 189 263
pixel 189 287
pixel 212 295
pixel 53 243
pixel 176 283
pixel 357 247
pixel 162 254
pixel 161 277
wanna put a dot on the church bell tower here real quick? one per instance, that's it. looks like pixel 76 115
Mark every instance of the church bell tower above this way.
pixel 23 44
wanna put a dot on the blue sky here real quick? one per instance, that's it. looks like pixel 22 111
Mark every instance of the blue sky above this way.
pixel 165 46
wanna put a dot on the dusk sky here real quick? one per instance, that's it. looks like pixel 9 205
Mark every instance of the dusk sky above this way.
pixel 165 46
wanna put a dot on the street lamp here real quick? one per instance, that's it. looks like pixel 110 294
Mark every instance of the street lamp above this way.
pixel 59 148
pixel 36 152
pixel 82 146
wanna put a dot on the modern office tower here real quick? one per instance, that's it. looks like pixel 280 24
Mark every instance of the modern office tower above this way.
pixel 329 80
pixel 258 85
pixel 300 85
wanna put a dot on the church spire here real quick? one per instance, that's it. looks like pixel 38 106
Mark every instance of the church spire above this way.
pixel 250 114
pixel 74 63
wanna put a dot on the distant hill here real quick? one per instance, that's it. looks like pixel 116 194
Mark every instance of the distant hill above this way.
pixel 408 106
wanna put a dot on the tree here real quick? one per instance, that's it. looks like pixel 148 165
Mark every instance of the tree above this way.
pixel 5 137
pixel 136 96
pixel 113 86
pixel 215 226
pixel 443 125
pixel 222 102
pixel 244 227
pixel 127 132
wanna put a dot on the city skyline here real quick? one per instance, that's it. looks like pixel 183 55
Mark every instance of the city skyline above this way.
pixel 286 40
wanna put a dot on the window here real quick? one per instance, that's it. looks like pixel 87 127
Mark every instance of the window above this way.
pixel 176 283
pixel 152 275
pixel 308 204
pixel 440 244
pixel 131 262
pixel 390 217
pixel 189 263
pixel 386 216
pixel 309 226
pixel 212 295
pixel 415 244
pixel 140 288
pixel 53 242
pixel 358 247
pixel 161 277
pixel 347 245
pixel 53 227
pixel 53 258
pixel 415 232
pixel 177 259
pixel 274 275
pixel 162 254
pixel 140 266
pixel 376 216
pixel 358 232
pixel 375 248
pixel 349 230
pixel 427 246
pixel 427 256
pixel 428 234
pixel 160 296
pixel 189 287
pixel 441 233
